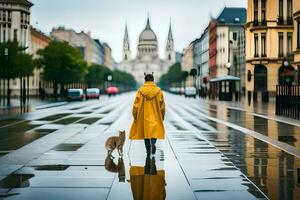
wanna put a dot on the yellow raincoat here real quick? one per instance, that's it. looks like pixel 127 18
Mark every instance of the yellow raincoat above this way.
pixel 145 186
pixel 148 113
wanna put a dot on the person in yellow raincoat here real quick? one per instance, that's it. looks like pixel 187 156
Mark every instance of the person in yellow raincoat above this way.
pixel 148 113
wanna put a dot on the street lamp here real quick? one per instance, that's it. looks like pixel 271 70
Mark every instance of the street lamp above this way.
pixel 285 64
pixel 228 65
pixel 6 52
pixel 109 79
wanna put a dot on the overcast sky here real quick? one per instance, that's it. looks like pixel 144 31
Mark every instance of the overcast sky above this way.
pixel 106 18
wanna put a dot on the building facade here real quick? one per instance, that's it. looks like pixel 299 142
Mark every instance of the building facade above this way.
pixel 269 47
pixel 296 10
pixel 188 62
pixel 231 46
pixel 91 50
pixel 201 58
pixel 147 59
pixel 15 21
pixel 38 40
pixel 99 52
pixel 108 60
pixel 15 25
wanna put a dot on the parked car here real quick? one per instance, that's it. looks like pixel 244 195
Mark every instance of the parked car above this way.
pixel 75 94
pixel 112 91
pixel 92 93
pixel 190 92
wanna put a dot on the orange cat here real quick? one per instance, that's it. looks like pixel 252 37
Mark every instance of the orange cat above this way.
pixel 115 142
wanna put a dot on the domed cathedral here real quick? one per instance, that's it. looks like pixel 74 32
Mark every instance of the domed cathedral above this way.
pixel 147 59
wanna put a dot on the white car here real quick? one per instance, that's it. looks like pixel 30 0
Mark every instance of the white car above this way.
pixel 190 92
pixel 75 94
pixel 92 93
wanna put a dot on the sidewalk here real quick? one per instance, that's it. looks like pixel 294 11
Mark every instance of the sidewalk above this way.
pixel 261 109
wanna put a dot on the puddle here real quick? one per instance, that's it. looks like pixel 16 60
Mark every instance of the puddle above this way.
pixel 16 141
pixel 51 167
pixel 105 123
pixel 54 117
pixel 68 120
pixel 86 112
pixel 16 136
pixel 16 181
pixel 88 120
pixel 43 131
pixel 3 153
pixel 67 147
pixel 5 122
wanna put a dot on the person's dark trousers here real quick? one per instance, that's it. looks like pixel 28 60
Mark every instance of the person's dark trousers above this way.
pixel 148 143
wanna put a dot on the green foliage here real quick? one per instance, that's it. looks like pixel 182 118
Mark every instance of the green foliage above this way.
pixel 184 75
pixel 124 78
pixel 62 63
pixel 96 75
pixel 172 77
pixel 17 63
pixel 193 72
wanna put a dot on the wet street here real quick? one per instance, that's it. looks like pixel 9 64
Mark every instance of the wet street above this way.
pixel 211 151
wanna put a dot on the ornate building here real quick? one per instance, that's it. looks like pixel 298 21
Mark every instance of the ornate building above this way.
pixel 147 58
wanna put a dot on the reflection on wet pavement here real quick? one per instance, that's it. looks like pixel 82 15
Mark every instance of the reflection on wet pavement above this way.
pixel 63 155
pixel 271 169
pixel 147 182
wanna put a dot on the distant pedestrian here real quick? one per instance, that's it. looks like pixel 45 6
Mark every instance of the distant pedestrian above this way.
pixel 148 113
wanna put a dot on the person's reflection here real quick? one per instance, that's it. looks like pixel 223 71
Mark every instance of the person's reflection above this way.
pixel 147 183
pixel 112 167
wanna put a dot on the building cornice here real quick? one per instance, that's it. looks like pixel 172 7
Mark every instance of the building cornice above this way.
pixel 24 2
pixel 267 60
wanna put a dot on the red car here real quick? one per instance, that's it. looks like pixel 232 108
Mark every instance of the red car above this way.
pixel 112 91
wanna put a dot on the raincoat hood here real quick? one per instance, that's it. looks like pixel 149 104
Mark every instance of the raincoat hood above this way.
pixel 149 90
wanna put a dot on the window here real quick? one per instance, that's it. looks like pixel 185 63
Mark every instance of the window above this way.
pixel 255 45
pixel 4 35
pixel 15 34
pixel 280 14
pixel 298 34
pixel 263 45
pixel 280 44
pixel 255 23
pixel 234 36
pixel 263 12
pixel 289 44
pixel 289 12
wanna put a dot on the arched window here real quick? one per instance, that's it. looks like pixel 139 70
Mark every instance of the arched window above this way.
pixel 286 75
pixel 260 78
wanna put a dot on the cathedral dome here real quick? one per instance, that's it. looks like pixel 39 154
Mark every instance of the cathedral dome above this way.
pixel 147 34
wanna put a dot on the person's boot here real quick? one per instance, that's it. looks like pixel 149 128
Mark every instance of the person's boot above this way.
pixel 148 146
pixel 153 149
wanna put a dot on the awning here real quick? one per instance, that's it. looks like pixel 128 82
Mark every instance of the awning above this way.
pixel 225 78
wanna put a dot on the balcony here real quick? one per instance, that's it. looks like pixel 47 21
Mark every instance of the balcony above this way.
pixel 280 21
pixel 289 21
pixel 280 55
pixel 257 23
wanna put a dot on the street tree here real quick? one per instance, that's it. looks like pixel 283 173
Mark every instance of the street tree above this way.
pixel 14 63
pixel 193 73
pixel 96 75
pixel 173 77
pixel 184 76
pixel 63 64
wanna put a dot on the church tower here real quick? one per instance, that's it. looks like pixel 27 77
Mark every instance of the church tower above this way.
pixel 170 53
pixel 126 46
